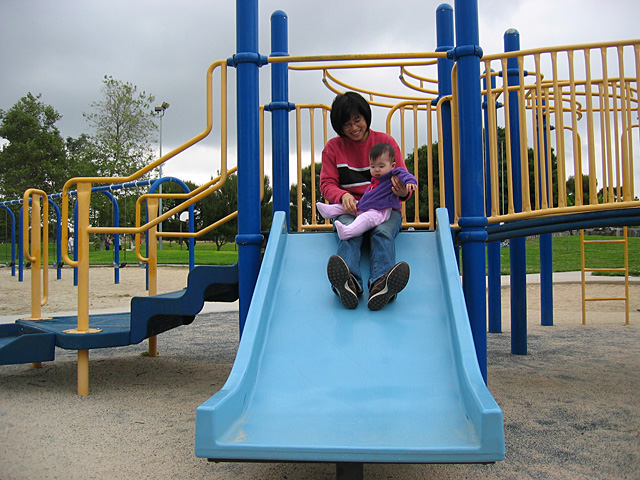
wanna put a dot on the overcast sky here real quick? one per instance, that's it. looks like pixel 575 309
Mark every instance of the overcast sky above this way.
pixel 63 48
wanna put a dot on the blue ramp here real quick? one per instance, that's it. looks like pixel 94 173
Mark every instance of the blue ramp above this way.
pixel 313 381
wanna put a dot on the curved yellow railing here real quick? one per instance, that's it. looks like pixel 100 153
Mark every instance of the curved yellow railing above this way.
pixel 367 61
pixel 589 91
pixel 196 195
pixel 84 229
pixel 569 98
pixel 203 191
pixel 375 98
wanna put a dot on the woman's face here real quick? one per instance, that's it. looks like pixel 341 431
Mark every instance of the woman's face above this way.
pixel 356 129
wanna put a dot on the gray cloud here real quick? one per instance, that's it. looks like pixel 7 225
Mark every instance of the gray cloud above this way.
pixel 63 49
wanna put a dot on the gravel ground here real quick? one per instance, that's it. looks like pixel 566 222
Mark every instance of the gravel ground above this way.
pixel 570 406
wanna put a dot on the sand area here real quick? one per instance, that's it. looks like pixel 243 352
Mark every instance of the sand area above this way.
pixel 571 406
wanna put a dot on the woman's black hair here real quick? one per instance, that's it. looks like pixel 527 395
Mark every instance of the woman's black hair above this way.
pixel 345 106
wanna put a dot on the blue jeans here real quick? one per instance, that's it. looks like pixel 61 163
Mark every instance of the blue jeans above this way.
pixel 382 248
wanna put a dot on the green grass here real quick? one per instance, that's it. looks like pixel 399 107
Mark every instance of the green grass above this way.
pixel 566 255
pixel 206 254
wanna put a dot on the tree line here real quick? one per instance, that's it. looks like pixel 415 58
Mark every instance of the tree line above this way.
pixel 34 154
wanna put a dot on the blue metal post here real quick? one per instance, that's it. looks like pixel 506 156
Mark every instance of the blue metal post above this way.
pixel 13 239
pixel 444 37
pixel 518 251
pixel 249 239
pixel 116 241
pixel 58 239
pixel 75 242
pixel 473 220
pixel 20 249
pixel 546 279
pixel 493 248
pixel 280 114
pixel 185 188
pixel 546 239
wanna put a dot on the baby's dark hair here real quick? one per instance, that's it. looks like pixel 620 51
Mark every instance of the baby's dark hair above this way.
pixel 345 106
pixel 380 149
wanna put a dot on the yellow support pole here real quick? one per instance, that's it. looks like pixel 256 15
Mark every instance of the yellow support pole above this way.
pixel 84 202
pixel 35 253
pixel 83 372
pixel 152 209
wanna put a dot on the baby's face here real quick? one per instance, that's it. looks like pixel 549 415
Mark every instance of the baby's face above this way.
pixel 381 165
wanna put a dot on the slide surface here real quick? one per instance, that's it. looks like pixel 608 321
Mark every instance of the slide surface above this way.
pixel 313 381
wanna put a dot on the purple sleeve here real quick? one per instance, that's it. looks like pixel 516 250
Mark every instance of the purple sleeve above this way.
pixel 404 176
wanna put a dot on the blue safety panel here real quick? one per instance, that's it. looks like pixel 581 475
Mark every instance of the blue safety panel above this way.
pixel 156 314
pixel 34 341
pixel 25 344
pixel 114 331
pixel 313 381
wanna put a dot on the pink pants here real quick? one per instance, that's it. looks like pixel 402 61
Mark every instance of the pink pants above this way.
pixel 364 220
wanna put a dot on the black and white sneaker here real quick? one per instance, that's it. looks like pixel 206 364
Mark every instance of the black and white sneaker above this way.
pixel 388 286
pixel 343 283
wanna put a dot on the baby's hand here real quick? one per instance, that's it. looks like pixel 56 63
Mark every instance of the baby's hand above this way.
pixel 411 187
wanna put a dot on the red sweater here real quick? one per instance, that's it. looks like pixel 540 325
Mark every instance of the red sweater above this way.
pixel 345 165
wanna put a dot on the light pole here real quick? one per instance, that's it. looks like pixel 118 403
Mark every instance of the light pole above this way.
pixel 160 109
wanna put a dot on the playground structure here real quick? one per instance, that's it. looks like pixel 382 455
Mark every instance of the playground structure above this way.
pixel 557 99
pixel 17 254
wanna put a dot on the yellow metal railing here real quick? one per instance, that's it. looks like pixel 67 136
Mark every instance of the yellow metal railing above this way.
pixel 311 109
pixel 84 229
pixel 570 99
pixel 398 104
pixel 591 93
pixel 413 109
pixel 36 237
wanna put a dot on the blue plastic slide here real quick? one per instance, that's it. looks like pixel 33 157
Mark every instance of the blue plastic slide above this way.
pixel 313 381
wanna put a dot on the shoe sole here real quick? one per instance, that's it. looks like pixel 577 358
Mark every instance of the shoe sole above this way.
pixel 397 279
pixel 339 276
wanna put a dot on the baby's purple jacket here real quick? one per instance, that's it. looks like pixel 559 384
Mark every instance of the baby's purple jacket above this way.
pixel 379 196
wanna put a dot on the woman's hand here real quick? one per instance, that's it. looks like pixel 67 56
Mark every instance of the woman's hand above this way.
pixel 400 189
pixel 349 203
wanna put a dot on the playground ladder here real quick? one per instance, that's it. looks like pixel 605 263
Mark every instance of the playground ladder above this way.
pixel 625 269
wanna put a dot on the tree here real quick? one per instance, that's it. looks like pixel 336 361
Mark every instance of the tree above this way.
pixel 306 198
pixel 173 224
pixel 266 205
pixel 124 128
pixel 571 190
pixel 223 202
pixel 81 152
pixel 423 186
pixel 34 156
